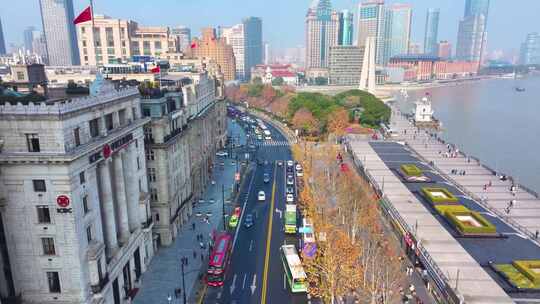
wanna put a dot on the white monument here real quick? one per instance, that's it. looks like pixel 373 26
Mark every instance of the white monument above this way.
pixel 367 76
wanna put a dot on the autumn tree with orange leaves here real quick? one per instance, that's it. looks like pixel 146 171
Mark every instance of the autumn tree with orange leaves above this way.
pixel 357 254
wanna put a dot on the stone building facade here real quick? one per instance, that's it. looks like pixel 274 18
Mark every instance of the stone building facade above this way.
pixel 74 199
pixel 188 126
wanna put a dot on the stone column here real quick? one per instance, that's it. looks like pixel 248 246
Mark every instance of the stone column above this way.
pixel 107 207
pixel 121 202
pixel 132 188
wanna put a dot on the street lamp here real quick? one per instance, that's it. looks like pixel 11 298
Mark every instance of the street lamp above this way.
pixel 183 284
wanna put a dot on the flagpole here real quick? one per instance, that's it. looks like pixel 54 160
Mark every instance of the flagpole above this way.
pixel 93 35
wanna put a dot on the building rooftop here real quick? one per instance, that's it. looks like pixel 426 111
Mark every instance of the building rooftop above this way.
pixel 416 57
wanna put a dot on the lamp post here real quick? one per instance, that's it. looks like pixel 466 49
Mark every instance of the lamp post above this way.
pixel 223 205
pixel 183 284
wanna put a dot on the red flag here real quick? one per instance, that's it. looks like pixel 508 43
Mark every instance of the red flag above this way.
pixel 85 15
pixel 156 70
pixel 193 45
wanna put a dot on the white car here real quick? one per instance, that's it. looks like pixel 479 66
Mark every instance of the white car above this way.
pixel 268 138
pixel 298 167
pixel 290 163
pixel 261 196
pixel 299 173
pixel 290 181
pixel 290 198
pixel 222 153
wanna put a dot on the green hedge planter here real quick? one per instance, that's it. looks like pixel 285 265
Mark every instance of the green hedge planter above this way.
pixel 411 170
pixel 446 197
pixel 530 269
pixel 468 228
pixel 515 277
pixel 444 209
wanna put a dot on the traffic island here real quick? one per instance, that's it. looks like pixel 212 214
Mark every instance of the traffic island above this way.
pixel 523 275
pixel 411 173
pixel 439 196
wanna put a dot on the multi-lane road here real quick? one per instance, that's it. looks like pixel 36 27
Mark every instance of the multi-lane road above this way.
pixel 256 273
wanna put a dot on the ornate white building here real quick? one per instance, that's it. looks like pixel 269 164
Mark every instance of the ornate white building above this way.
pixel 74 199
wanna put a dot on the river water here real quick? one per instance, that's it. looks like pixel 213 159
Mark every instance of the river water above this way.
pixel 489 119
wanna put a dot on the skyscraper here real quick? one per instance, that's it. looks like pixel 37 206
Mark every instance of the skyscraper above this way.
pixel 397 33
pixel 183 36
pixel 432 30
pixel 472 32
pixel 253 43
pixel 2 41
pixel 471 38
pixel 530 49
pixel 346 27
pixel 476 7
pixel 235 37
pixel 30 35
pixel 371 24
pixel 60 35
pixel 322 26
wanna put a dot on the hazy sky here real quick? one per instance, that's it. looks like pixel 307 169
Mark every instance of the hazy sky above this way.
pixel 283 20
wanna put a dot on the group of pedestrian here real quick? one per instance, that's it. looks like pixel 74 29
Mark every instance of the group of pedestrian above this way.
pixel 409 271
pixel 458 172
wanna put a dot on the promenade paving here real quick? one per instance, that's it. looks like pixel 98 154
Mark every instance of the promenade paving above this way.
pixel 525 213
pixel 164 273
pixel 457 266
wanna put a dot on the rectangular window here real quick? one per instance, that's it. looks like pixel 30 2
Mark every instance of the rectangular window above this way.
pixel 152 174
pixel 150 154
pixel 86 209
pixel 157 45
pixel 94 127
pixel 138 163
pixel 48 246
pixel 54 281
pixel 153 195
pixel 134 113
pixel 43 215
pixel 89 234
pixel 84 43
pixel 39 185
pixel 20 76
pixel 122 117
pixel 83 29
pixel 82 178
pixel 77 136
pixel 32 142
pixel 109 121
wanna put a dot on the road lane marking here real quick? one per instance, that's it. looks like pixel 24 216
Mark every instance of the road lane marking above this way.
pixel 233 285
pixel 268 240
pixel 280 212
pixel 244 281
pixel 253 284
pixel 250 245
pixel 243 211
pixel 284 281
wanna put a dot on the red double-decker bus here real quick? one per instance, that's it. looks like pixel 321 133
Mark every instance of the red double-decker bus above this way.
pixel 219 260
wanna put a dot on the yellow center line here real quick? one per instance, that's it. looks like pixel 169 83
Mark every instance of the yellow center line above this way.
pixel 268 240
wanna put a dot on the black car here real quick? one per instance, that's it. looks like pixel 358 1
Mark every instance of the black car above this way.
pixel 290 190
pixel 289 169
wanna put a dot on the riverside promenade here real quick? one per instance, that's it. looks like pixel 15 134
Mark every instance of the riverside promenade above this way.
pixel 519 208
pixel 454 275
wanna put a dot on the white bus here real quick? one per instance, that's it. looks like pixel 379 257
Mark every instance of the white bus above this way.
pixel 296 276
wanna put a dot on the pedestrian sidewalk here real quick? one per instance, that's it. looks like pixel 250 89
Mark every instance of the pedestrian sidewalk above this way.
pixel 164 274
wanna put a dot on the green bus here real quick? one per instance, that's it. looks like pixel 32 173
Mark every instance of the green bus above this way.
pixel 290 219
pixel 296 276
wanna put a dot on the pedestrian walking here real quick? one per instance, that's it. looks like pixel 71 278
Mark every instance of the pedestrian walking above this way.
pixel 193 226
pixel 202 258
pixel 536 234
pixel 194 254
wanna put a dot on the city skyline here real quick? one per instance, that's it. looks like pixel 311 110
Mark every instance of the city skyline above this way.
pixel 451 12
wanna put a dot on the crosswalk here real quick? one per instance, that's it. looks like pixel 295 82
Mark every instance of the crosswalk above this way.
pixel 273 143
